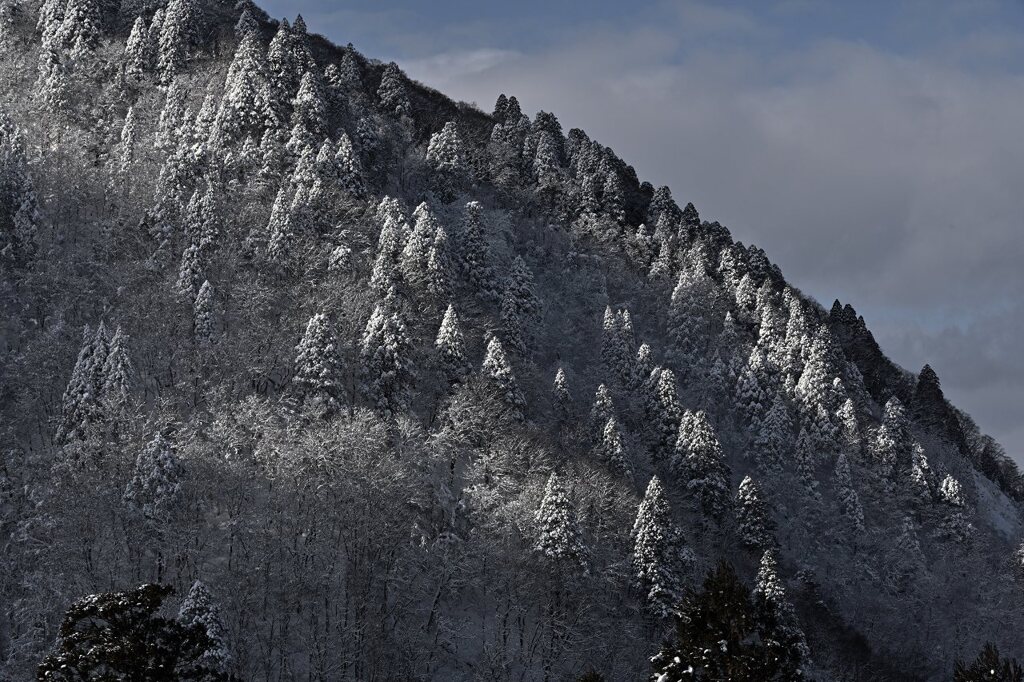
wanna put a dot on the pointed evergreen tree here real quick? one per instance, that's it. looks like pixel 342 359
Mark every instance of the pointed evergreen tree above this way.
pixel 318 370
pixel 665 414
pixel 450 347
pixel 191 273
pixel 19 208
pixel 511 325
pixel 128 141
pixel 475 256
pixel 245 107
pixel 81 405
pixel 118 375
pixel 846 494
pixel 203 315
pixel 643 365
pixel 79 31
pixel 288 58
pixel 176 34
pixel 520 286
pixel 724 634
pixel 445 152
pixel 392 92
pixel 849 426
pixel 416 253
pixel 659 559
pixel 439 270
pixel 754 525
pixel 498 372
pixel 309 115
pixel 386 269
pixel 891 446
pixel 135 60
pixel 751 388
pixel 199 611
pixel 387 358
pixel 699 459
pixel 613 450
pixel 155 488
pixel 774 435
pixel 771 596
pixel 559 536
pixel 350 172
pixel 561 398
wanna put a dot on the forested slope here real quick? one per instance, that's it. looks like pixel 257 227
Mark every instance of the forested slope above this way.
pixel 419 392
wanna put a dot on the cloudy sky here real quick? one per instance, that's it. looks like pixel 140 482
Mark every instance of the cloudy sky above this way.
pixel 873 149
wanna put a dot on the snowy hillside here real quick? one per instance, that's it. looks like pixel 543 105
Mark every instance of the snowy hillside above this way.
pixel 366 384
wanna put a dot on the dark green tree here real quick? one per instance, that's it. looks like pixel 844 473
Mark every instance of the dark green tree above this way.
pixel 723 634
pixel 121 636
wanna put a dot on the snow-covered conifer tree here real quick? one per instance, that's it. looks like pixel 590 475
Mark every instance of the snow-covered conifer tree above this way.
pixel 19 208
pixel 751 388
pixel 245 107
pixel 392 92
pixel 445 152
pixel 774 435
pixel 318 370
pixel 191 272
pixel 643 365
pixel 203 314
pixel 450 346
pixel 561 398
pixel 175 36
pixel 559 538
pixel 386 269
pixel 349 169
pixel 665 413
pixel 417 248
pixel 475 255
pixel 118 375
pixel 155 488
pixel 699 459
pixel 198 610
pixel 770 594
pixel 135 60
pixel 309 115
pixel 498 372
pixel 439 269
pixel 386 353
pixel 754 525
pixel 613 449
pixel 659 558
pixel 511 325
pixel 81 405
pixel 288 58
pixel 79 31
pixel 128 141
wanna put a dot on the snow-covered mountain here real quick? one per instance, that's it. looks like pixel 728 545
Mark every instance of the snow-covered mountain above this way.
pixel 386 387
